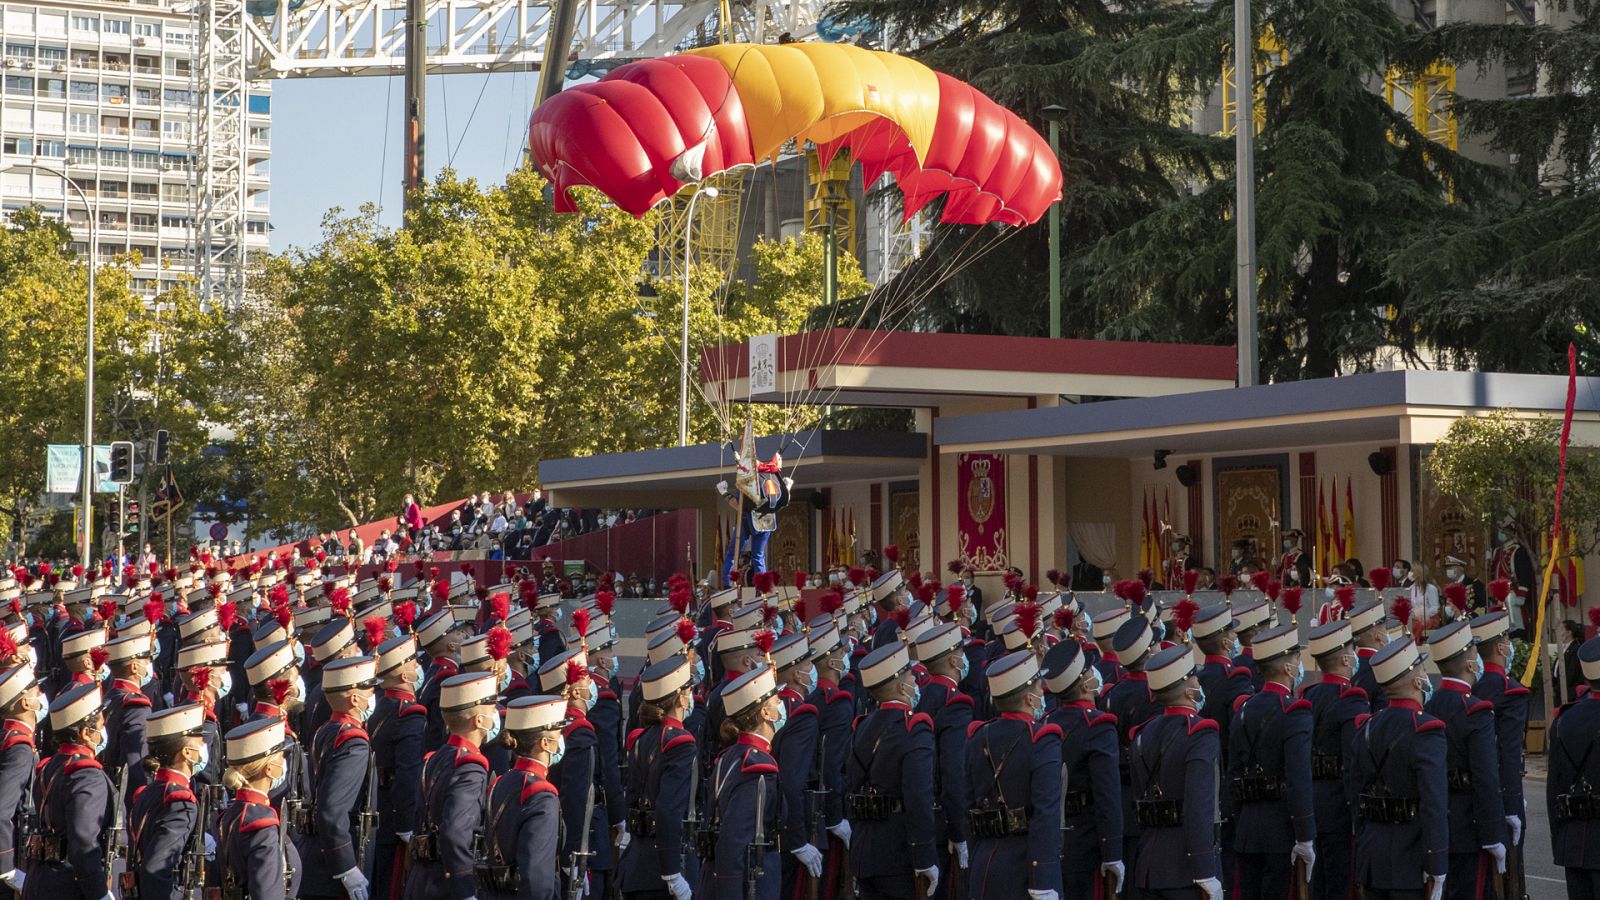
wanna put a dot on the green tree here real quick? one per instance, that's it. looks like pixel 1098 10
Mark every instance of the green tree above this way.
pixel 1125 152
pixel 1504 469
pixel 1533 265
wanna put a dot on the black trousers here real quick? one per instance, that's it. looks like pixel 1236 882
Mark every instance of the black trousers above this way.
pixel 1583 884
pixel 1468 876
pixel 1333 877
pixel 1264 876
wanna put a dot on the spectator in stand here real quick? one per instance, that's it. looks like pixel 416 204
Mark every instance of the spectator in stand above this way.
pixel 146 558
pixel 520 541
pixel 332 546
pixel 498 524
pixel 355 548
pixel 534 507
pixel 509 505
pixel 486 507
pixel 411 516
pixel 545 525
pixel 1570 673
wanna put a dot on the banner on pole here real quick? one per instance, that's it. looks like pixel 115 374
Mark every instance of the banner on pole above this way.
pixel 763 364
pixel 61 468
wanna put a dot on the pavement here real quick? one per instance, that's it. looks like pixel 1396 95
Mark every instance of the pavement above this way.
pixel 1545 881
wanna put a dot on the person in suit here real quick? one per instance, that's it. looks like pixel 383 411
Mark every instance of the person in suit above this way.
pixel 889 771
pixel 1091 814
pixel 1174 760
pixel 1269 771
pixel 1477 824
pixel 1401 812
pixel 522 831
pixel 1335 705
pixel 1571 794
pixel 1570 673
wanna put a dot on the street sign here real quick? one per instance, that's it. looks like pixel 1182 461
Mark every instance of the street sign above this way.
pixel 218 531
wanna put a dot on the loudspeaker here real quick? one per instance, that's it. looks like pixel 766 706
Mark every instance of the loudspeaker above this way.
pixel 1187 476
pixel 1380 463
pixel 819 499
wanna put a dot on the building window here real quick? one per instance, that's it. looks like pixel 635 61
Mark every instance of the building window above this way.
pixel 143 159
pixel 17 146
pixel 19 86
pixel 19 52
pixel 147 29
pixel 85 91
pixel 53 88
pixel 52 149
pixel 116 26
pixel 114 93
pixel 82 22
pixel 83 156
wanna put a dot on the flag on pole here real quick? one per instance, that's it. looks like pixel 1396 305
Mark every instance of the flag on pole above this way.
pixel 1322 532
pixel 167 496
pixel 1144 531
pixel 1335 530
pixel 1349 551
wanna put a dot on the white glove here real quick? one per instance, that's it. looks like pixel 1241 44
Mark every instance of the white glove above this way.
pixel 1516 829
pixel 167 697
pixel 809 857
pixel 13 878
pixel 1498 851
pixel 1213 887
pixel 1043 895
pixel 623 838
pixel 722 487
pixel 404 836
pixel 788 482
pixel 958 849
pixel 841 830
pixel 211 846
pixel 932 874
pixel 678 887
pixel 355 883
pixel 1116 869
pixel 108 896
pixel 1303 850
pixel 1435 885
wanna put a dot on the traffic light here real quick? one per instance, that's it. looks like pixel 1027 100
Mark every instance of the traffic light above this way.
pixel 113 520
pixel 134 519
pixel 163 443
pixel 122 462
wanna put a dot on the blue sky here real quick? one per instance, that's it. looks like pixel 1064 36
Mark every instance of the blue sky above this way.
pixel 336 142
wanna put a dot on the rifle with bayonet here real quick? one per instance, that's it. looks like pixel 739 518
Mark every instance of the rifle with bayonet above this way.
pixel 691 818
pixel 576 884
pixel 816 829
pixel 756 853
pixel 192 865
pixel 367 818
pixel 117 836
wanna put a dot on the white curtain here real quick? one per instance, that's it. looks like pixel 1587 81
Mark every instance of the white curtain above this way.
pixel 1096 542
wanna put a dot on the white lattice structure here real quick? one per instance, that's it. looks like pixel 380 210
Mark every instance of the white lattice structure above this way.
pixel 222 176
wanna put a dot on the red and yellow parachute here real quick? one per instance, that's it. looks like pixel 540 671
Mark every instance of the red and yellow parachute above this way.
pixel 717 108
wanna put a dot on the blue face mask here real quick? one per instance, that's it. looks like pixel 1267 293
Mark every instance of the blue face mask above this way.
pixel 594 693
pixel 783 718
pixel 1427 690
pixel 225 684
pixel 699 670
pixel 145 679
pixel 205 758
pixel 1511 655
pixel 277 782
pixel 966 666
pixel 916 697
pixel 494 731
pixel 1199 698
pixel 561 750
pixel 1299 673
pixel 811 679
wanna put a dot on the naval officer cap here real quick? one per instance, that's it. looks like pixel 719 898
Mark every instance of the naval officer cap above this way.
pixel 663 679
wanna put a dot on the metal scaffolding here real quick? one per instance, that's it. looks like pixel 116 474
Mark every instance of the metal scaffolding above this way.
pixel 219 177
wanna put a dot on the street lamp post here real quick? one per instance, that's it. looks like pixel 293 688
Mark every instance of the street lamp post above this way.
pixel 86 537
pixel 1053 115
pixel 683 349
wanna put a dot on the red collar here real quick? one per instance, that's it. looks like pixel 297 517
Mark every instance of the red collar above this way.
pixel 1248 651
pixel 827 684
pixel 74 750
pixel 722 623
pixel 1272 687
pixel 524 764
pixel 81 678
pixel 1219 660
pixel 345 719
pixel 576 714
pixel 249 795
pixel 1412 705
pixel 790 693
pixel 172 776
pixel 124 684
pixel 942 679
pixel 670 722
pixel 18 725
pixel 1179 711
pixel 755 740
pixel 894 704
pixel 457 740
pixel 1081 704
pixel 1496 668
pixel 1455 684
pixel 1330 678
pixel 264 708
pixel 1365 652
pixel 1016 716
pixel 399 694
pixel 1136 676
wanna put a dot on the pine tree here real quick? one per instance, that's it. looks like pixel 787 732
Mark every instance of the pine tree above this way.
pixel 1124 154
pixel 1509 292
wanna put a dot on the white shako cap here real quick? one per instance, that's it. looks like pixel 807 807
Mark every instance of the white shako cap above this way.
pixel 748 690
pixel 1274 643
pixel 546 601
pixel 82 642
pixel 747 616
pixel 186 719
pixel 1213 619
pixel 1109 620
pixel 74 705
pixel 790 650
pixel 1063 666
pixel 1395 660
pixel 460 692
pixel 269 662
pixel 1450 640
pixel 134 646
pixel 435 627
pixel 824 637
pixel 553 671
pixel 210 653
pixel 1132 640
pixel 332 639
pixel 887 583
pixel 1251 613
pixel 932 643
pixel 196 622
pixel 733 641
pixel 311 617
pixel 667 621
pixel 349 673
pixel 724 597
pixel 393 653
pixel 536 713
pixel 14 681
pixel 1329 636
pixel 254 740
pixel 1169 667
pixel 665 678
pixel 1012 673
pixel 1367 615
pixel 1491 625
pixel 1589 659
pixel 884 663
pixel 664 645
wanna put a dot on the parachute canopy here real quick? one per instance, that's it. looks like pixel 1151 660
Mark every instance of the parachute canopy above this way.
pixel 646 129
